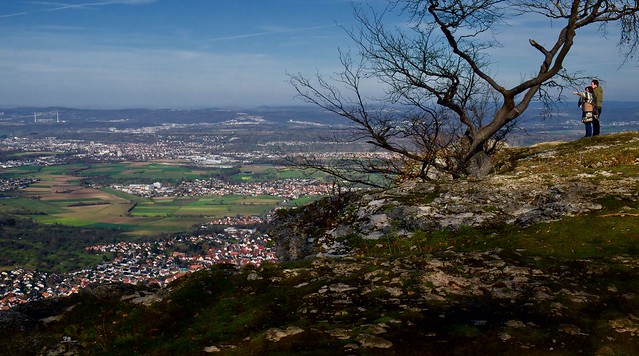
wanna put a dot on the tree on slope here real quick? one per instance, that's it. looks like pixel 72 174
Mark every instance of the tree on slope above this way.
pixel 443 107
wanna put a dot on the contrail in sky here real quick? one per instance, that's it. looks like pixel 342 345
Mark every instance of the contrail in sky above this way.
pixel 57 6
pixel 265 33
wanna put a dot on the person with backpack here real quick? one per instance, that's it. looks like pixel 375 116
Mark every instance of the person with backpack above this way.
pixel 598 93
pixel 587 105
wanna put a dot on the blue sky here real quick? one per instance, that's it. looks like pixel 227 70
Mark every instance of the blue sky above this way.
pixel 210 53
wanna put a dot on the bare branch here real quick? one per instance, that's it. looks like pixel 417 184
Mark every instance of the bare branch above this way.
pixel 444 109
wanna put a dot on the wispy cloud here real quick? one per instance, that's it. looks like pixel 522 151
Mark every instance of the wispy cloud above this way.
pixel 15 14
pixel 47 6
pixel 272 31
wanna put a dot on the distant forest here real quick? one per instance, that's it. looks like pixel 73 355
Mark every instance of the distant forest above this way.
pixel 51 248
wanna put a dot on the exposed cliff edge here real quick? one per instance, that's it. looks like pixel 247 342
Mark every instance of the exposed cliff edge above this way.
pixel 540 257
pixel 537 184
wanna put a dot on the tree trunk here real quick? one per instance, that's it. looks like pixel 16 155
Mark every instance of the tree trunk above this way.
pixel 479 165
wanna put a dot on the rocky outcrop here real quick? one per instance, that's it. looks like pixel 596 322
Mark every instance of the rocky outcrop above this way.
pixel 296 231
pixel 500 199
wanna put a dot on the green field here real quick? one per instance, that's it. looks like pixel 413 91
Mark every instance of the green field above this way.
pixel 214 207
pixel 60 197
pixel 265 172
pixel 145 171
pixel 31 206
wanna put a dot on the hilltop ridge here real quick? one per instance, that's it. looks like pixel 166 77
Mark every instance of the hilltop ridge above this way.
pixel 539 257
pixel 540 183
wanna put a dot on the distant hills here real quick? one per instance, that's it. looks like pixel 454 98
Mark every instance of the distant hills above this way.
pixel 159 116
pixel 561 123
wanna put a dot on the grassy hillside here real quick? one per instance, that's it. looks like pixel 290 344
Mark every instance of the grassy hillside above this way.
pixel 562 286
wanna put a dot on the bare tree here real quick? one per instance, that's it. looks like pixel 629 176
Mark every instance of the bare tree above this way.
pixel 443 107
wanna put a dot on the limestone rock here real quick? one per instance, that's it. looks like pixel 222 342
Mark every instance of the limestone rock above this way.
pixel 276 334
pixel 372 341
pixel 211 349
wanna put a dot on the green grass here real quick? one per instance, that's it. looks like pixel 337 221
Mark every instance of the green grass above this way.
pixel 28 206
pixel 605 233
pixel 303 200
pixel 73 201
pixel 207 206
pixel 118 193
pixel 102 225
pixel 261 173
pixel 19 172
pixel 146 173
pixel 599 237
pixel 63 169
pixel 616 152
pixel 153 210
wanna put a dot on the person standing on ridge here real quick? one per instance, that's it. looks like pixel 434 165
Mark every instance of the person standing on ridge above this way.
pixel 598 92
pixel 587 106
